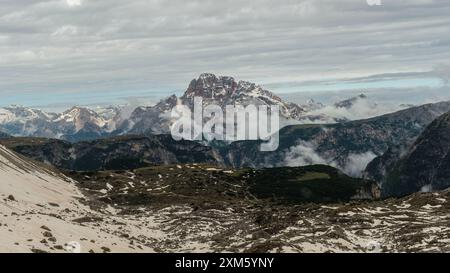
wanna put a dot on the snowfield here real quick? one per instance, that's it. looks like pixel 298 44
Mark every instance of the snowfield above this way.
pixel 38 208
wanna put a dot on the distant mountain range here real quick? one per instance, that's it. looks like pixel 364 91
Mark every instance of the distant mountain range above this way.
pixel 77 123
pixel 349 146
pixel 404 151
pixel 81 123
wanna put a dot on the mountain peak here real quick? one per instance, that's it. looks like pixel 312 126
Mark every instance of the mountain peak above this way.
pixel 208 85
pixel 348 103
pixel 207 76
pixel 362 96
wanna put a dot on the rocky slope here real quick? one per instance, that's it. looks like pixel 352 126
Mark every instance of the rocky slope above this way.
pixel 424 166
pixel 201 208
pixel 195 207
pixel 42 211
pixel 127 152
pixel 380 166
pixel 343 145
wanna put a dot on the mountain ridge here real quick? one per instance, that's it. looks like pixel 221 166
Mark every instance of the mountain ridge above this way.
pixel 421 166
pixel 340 145
pixel 82 123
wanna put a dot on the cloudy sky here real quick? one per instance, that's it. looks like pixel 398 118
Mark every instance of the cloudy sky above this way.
pixel 54 52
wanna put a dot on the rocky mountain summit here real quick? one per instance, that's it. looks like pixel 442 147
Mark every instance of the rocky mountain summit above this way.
pixel 214 90
pixel 224 90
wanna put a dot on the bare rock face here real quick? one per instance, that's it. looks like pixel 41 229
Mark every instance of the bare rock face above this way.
pixel 212 87
pixel 214 90
pixel 378 168
pixel 225 90
pixel 426 164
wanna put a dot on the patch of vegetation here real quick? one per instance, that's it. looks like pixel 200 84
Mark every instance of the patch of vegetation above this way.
pixel 204 187
pixel 312 176
pixel 318 183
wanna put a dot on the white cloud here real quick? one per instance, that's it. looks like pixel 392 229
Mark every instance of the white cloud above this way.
pixel 304 153
pixel 360 109
pixel 66 30
pixel 73 3
pixel 357 163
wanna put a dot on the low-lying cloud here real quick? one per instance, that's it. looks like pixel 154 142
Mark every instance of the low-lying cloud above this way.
pixel 304 154
pixel 357 163
pixel 361 108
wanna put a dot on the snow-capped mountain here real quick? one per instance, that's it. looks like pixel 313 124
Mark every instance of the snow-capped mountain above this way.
pixel 22 121
pixel 149 120
pixel 112 116
pixel 23 114
pixel 81 123
pixel 217 90
pixel 224 90
pixel 74 124
pixel 77 118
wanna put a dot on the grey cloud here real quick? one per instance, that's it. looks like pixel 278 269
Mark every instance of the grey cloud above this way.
pixel 132 45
